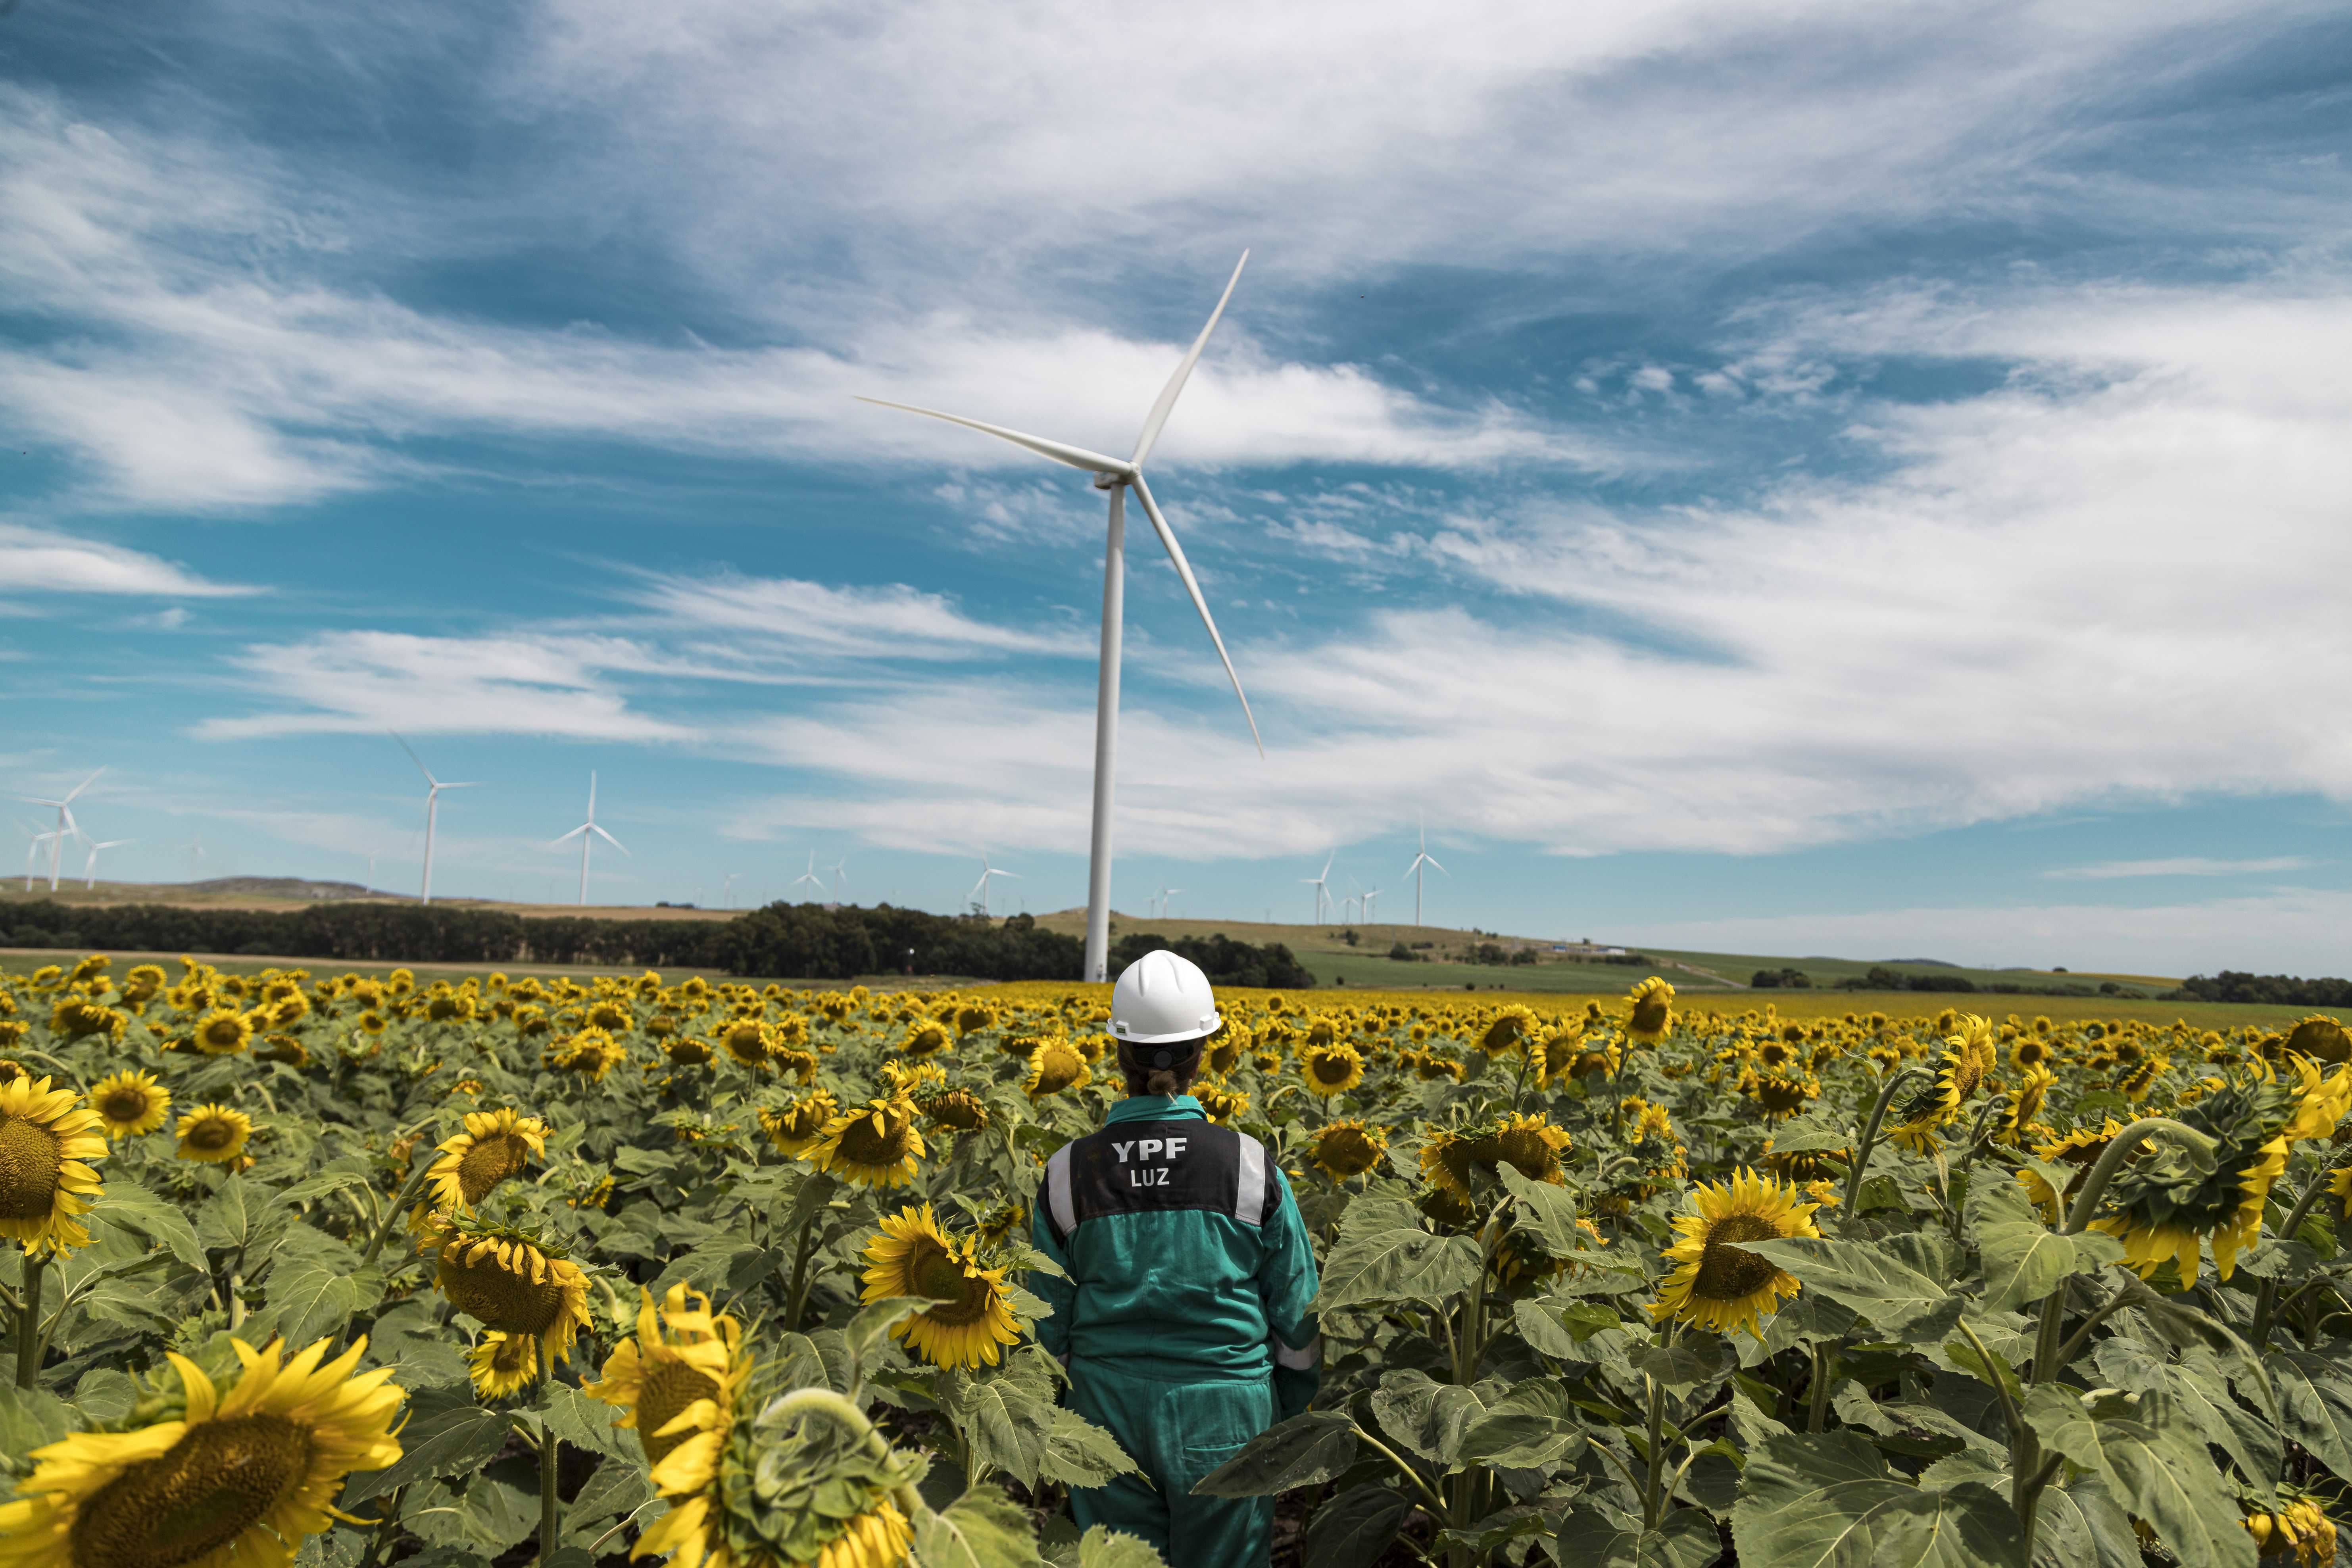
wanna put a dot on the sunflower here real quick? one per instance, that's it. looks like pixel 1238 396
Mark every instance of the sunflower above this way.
pixel 45 1145
pixel 1332 1069
pixel 1225 1053
pixel 1959 1073
pixel 130 1103
pixel 2321 1038
pixel 1557 1056
pixel 2080 1149
pixel 686 1051
pixel 926 1038
pixel 749 1041
pixel 223 1034
pixel 590 1052
pixel 514 1283
pixel 676 1382
pixel 78 1017
pixel 1650 1011
pixel 799 1127
pixel 2163 1204
pixel 2017 1122
pixel 873 1145
pixel 958 1108
pixel 1054 1066
pixel 1780 1095
pixel 1716 1283
pixel 1221 1104
pixel 214 1134
pixel 1509 1029
pixel 496 1144
pixel 237 1481
pixel 1345 1149
pixel 970 1320
pixel 1528 1143
pixel 502 1363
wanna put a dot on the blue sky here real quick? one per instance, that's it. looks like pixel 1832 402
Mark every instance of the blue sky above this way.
pixel 1809 477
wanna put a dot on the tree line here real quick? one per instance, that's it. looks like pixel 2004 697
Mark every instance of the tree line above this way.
pixel 781 940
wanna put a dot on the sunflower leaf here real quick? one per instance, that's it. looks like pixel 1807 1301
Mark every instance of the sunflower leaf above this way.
pixel 2316 1399
pixel 1355 1527
pixel 1827 1500
pixel 1080 1454
pixel 1303 1451
pixel 982 1529
pixel 437 1443
pixel 1399 1263
pixel 1897 1298
pixel 2024 1260
pixel 1601 1536
pixel 1005 1415
pixel 1103 1547
pixel 2154 1463
pixel 134 1208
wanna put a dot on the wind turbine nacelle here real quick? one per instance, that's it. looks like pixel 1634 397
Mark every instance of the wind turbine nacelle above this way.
pixel 1108 481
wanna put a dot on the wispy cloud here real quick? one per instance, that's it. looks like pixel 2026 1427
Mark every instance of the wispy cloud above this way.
pixel 884 621
pixel 39 561
pixel 2183 866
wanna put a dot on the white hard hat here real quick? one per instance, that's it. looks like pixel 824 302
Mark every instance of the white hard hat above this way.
pixel 1162 996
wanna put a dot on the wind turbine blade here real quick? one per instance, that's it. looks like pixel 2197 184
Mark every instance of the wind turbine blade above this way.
pixel 1191 587
pixel 1327 863
pixel 469 784
pixel 1014 874
pixel 1168 394
pixel 608 838
pixel 1060 451
pixel 415 758
pixel 569 836
pixel 1433 864
pixel 73 828
pixel 82 786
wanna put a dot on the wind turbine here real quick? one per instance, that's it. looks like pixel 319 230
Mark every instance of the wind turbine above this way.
pixel 1164 897
pixel 67 827
pixel 32 851
pixel 587 833
pixel 840 877
pixel 727 889
pixel 1370 896
pixel 1158 900
pixel 979 888
pixel 197 853
pixel 1112 475
pixel 433 810
pixel 811 877
pixel 90 866
pixel 1318 882
pixel 1420 859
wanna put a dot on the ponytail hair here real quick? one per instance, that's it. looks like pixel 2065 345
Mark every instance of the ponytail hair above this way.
pixel 1135 1063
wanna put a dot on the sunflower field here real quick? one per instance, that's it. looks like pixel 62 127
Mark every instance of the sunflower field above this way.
pixel 351 1272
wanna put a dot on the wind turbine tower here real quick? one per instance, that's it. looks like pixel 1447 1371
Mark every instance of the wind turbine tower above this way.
pixel 90 866
pixel 1319 883
pixel 1422 858
pixel 1117 478
pixel 433 811
pixel 979 888
pixel 587 833
pixel 67 827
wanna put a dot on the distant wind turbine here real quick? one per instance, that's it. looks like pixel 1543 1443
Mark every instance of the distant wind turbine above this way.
pixel 810 875
pixel 433 810
pixel 840 877
pixel 727 891
pixel 1164 897
pixel 1422 858
pixel 1118 478
pixel 197 853
pixel 1371 896
pixel 33 852
pixel 979 888
pixel 90 866
pixel 1319 883
pixel 587 833
pixel 67 827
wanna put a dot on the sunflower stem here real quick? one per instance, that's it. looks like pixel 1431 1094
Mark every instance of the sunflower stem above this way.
pixel 551 1503
pixel 399 1206
pixel 2111 1160
pixel 1436 1503
pixel 1657 1419
pixel 1870 1138
pixel 2266 1297
pixel 28 1320
pixel 824 1402
pixel 1817 1404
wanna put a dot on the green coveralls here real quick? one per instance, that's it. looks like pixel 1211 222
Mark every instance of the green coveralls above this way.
pixel 1183 1321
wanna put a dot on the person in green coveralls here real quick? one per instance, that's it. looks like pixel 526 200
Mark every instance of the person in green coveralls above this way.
pixel 1184 1320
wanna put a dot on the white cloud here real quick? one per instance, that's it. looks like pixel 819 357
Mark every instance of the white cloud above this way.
pixel 37 561
pixel 886 621
pixel 517 685
pixel 197 379
pixel 2184 866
